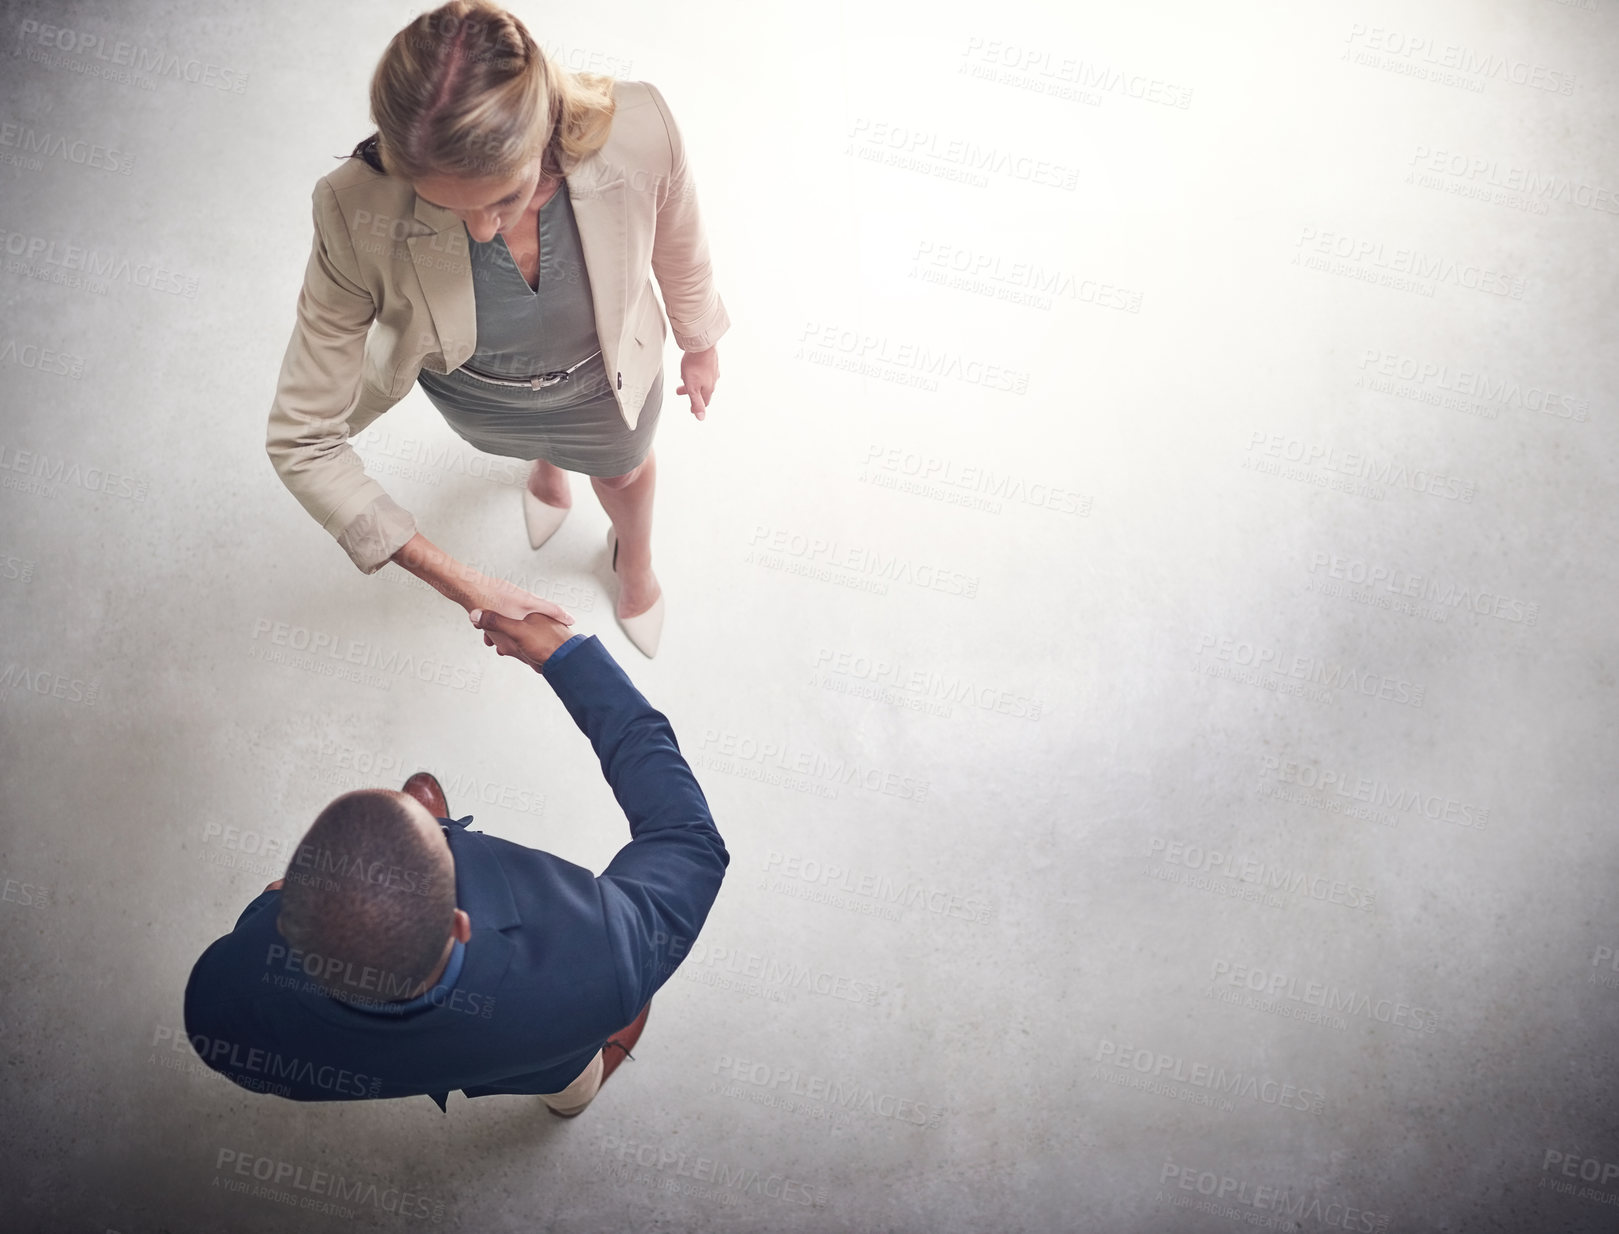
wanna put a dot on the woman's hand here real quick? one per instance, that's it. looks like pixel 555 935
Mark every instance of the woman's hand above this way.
pixel 472 589
pixel 531 640
pixel 699 370
pixel 496 595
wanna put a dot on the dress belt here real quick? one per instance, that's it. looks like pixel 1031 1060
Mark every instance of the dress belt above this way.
pixel 539 382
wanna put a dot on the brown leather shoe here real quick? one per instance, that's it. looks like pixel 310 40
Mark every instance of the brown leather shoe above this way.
pixel 615 1050
pixel 424 786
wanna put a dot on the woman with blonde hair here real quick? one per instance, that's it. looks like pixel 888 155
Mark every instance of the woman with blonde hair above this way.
pixel 493 241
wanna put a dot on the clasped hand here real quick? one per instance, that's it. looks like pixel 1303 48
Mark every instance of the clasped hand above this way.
pixel 530 639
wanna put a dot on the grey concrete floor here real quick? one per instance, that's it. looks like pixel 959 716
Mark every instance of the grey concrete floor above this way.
pixel 1141 606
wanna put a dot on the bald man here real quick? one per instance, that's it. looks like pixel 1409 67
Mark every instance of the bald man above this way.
pixel 404 954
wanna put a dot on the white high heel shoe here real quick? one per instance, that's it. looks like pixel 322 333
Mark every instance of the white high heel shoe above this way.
pixel 542 520
pixel 644 629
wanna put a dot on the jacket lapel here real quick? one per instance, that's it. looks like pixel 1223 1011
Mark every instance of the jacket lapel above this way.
pixel 444 269
pixel 596 192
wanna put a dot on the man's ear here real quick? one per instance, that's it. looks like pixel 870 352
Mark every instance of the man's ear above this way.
pixel 461 927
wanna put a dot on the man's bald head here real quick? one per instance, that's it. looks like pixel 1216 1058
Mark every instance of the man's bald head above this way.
pixel 370 892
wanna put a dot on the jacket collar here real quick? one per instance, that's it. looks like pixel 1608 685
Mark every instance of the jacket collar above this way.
pixel 585 178
pixel 480 884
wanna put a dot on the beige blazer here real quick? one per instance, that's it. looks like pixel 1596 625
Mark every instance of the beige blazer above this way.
pixel 388 291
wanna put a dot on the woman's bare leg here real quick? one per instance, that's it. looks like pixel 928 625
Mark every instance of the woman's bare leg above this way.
pixel 549 483
pixel 628 502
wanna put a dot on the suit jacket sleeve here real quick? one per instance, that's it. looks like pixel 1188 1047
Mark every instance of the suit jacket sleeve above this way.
pixel 307 438
pixel 697 315
pixel 657 891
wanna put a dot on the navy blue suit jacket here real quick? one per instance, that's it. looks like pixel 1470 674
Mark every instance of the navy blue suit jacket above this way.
pixel 559 959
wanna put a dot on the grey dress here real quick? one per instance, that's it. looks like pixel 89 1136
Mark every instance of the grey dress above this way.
pixel 523 332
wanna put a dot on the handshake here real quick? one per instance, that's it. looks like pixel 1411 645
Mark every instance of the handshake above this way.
pixel 530 639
